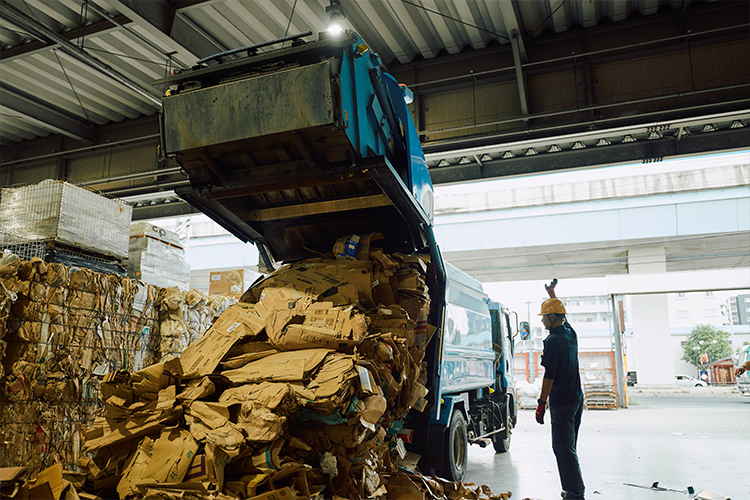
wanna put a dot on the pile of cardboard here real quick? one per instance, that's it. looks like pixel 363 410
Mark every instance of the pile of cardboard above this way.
pixel 61 330
pixel 298 391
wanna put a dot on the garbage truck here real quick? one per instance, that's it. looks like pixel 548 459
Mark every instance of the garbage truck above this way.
pixel 292 147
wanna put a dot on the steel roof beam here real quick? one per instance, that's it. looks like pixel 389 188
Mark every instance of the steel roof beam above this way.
pixel 43 116
pixel 645 151
pixel 163 22
pixel 27 23
pixel 92 29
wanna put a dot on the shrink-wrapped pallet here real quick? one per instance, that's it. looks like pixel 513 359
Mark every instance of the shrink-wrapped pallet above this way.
pixel 66 214
pixel 156 257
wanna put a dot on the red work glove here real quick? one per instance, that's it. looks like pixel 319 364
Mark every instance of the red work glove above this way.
pixel 540 409
pixel 551 289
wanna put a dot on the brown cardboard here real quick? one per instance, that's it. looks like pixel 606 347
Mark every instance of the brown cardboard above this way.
pixel 136 467
pixel 260 424
pixel 285 366
pixel 269 394
pixel 266 458
pixel 10 474
pixel 110 433
pixel 203 356
pixel 213 415
pixel 280 494
pixel 48 480
pixel 201 470
pixel 352 272
pixel 293 287
pixel 156 377
pixel 321 325
pixel 229 283
pixel 171 457
pixel 375 407
pixel 403 488
pixel 245 352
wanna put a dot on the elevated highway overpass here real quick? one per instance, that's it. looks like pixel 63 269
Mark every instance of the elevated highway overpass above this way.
pixel 584 223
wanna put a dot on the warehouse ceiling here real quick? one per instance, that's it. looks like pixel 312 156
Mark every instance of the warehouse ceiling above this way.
pixel 502 87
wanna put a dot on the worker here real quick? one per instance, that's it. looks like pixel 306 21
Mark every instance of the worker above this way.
pixel 561 387
pixel 742 369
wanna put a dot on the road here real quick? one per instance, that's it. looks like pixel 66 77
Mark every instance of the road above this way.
pixel 677 441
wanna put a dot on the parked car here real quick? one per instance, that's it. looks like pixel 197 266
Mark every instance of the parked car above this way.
pixel 688 381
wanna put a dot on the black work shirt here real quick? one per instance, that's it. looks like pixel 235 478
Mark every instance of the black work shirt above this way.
pixel 560 362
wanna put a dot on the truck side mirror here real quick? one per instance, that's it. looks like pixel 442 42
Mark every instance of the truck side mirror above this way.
pixel 525 330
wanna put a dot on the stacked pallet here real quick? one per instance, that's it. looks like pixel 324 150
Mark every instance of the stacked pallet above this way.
pixel 599 396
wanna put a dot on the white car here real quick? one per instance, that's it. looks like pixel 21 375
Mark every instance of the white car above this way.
pixel 688 381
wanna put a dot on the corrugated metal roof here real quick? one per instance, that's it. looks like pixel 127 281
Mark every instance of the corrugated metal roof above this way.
pixel 57 79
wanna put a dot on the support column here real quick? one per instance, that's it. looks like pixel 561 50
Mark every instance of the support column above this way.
pixel 652 349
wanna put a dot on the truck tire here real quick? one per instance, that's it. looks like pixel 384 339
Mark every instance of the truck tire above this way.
pixel 456 448
pixel 501 440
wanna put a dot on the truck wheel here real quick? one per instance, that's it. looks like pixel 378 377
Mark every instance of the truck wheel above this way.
pixel 456 448
pixel 501 440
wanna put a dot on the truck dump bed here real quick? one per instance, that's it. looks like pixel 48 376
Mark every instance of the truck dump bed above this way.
pixel 297 147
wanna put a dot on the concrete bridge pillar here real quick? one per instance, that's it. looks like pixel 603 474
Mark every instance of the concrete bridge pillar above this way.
pixel 652 356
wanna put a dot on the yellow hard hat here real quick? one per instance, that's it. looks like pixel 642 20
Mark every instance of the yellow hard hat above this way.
pixel 552 306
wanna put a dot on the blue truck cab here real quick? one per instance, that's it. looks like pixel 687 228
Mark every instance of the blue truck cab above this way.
pixel 291 149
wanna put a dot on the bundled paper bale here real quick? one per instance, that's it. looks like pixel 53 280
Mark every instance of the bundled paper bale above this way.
pixel 298 391
pixel 61 330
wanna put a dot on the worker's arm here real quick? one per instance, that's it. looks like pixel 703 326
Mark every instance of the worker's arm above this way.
pixel 542 402
pixel 742 369
pixel 546 388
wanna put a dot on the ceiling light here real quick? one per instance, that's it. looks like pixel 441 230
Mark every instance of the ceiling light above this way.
pixel 486 157
pixel 628 138
pixel 443 163
pixel 602 142
pixel 708 128
pixel 508 154
pixel 464 160
pixel 654 135
pixel 336 22
pixel 737 124
pixel 579 145
pixel 554 149
pixel 531 152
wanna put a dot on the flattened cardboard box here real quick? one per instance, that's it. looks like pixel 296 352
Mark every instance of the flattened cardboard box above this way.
pixel 322 325
pixel 290 366
pixel 231 282
pixel 203 356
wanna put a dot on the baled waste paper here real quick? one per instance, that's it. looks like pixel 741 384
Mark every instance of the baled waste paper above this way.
pixel 298 391
pixel 62 329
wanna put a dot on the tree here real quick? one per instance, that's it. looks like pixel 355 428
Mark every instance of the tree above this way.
pixel 705 339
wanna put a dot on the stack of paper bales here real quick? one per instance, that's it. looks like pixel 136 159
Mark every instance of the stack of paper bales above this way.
pixel 157 257
pixel 61 331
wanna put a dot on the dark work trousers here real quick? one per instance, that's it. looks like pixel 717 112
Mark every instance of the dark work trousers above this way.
pixel 566 420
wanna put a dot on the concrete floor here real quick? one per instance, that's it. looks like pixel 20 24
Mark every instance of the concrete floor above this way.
pixel 677 441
